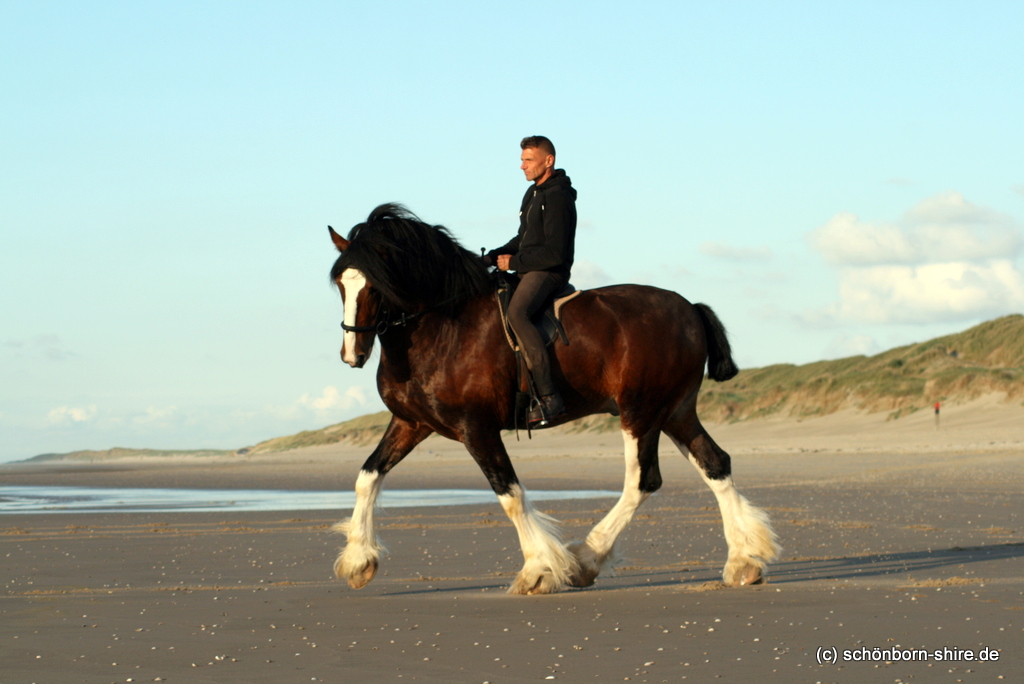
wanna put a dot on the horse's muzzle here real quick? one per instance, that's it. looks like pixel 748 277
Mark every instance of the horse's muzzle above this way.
pixel 358 362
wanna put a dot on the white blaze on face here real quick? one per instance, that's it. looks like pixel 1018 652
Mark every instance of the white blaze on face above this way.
pixel 352 283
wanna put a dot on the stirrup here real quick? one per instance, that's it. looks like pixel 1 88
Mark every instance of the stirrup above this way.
pixel 546 411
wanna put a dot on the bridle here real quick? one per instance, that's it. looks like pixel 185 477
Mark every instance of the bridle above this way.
pixel 383 321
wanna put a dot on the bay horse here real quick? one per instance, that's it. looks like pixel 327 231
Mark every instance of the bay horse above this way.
pixel 445 367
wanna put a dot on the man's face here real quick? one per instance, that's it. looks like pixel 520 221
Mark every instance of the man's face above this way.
pixel 536 165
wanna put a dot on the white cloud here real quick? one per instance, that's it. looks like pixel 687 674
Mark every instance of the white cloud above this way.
pixel 951 208
pixel 330 405
pixel 587 275
pixel 945 260
pixel 156 416
pixel 721 250
pixel 931 292
pixel 356 394
pixel 70 414
pixel 942 228
pixel 330 398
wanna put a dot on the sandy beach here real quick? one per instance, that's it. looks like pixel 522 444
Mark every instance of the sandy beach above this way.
pixel 898 536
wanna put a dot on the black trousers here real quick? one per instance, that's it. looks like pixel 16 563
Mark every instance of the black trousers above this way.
pixel 530 297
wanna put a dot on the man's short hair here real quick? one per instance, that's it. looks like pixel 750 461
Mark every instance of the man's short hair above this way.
pixel 540 142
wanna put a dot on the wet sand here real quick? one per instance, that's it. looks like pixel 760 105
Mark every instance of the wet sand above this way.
pixel 896 536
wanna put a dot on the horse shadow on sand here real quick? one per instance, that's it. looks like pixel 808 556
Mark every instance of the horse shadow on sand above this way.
pixel 905 566
pixel 880 565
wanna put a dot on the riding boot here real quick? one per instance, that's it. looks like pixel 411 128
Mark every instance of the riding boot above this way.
pixel 549 409
pixel 528 300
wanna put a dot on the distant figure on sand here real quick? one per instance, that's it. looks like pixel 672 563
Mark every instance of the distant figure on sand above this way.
pixel 937 405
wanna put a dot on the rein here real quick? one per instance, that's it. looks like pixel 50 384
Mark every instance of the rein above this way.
pixel 384 323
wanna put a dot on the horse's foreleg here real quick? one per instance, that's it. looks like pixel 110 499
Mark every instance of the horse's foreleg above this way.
pixel 358 561
pixel 597 552
pixel 748 532
pixel 547 566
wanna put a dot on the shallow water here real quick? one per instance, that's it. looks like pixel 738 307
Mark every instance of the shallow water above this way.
pixel 114 500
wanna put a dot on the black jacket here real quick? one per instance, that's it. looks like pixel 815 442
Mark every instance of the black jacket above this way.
pixel 547 228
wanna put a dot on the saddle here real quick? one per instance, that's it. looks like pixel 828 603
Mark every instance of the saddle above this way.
pixel 550 321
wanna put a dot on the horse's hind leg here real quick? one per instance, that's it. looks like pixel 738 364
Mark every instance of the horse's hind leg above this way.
pixel 748 532
pixel 597 552
pixel 547 565
pixel 359 560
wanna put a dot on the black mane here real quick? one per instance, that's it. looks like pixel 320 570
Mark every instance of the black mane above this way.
pixel 412 264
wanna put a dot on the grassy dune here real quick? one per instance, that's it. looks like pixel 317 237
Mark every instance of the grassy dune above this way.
pixel 362 430
pixel 988 358
pixel 121 452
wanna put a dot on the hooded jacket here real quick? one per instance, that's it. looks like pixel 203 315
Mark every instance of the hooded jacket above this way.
pixel 547 228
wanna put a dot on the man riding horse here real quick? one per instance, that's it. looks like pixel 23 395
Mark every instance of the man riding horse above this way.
pixel 444 369
pixel 542 254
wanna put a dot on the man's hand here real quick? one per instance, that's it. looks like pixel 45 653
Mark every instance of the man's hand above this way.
pixel 503 261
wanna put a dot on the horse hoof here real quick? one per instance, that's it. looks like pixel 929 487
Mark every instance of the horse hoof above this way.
pixel 745 576
pixel 360 578
pixel 583 578
pixel 588 567
pixel 540 584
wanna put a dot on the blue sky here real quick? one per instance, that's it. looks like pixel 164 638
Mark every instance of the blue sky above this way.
pixel 833 178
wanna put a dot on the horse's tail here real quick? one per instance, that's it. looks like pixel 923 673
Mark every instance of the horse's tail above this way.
pixel 721 367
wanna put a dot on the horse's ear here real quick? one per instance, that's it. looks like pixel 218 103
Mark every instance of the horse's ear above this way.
pixel 339 242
